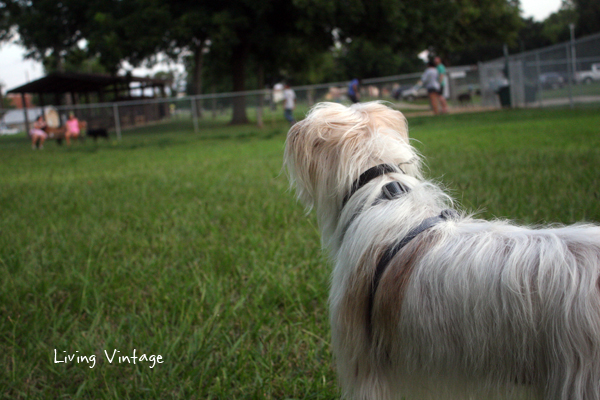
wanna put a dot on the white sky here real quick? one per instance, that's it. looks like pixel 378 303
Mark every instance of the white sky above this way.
pixel 14 71
pixel 539 9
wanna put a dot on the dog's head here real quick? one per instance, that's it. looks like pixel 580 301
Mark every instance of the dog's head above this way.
pixel 328 150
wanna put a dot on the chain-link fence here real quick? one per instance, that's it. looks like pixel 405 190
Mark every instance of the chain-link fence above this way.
pixel 259 106
pixel 559 75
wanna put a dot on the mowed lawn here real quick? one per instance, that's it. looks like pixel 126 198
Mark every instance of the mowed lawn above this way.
pixel 190 247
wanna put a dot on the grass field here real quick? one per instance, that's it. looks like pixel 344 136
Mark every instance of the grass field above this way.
pixel 190 247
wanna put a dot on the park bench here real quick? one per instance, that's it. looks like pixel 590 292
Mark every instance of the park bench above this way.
pixel 59 133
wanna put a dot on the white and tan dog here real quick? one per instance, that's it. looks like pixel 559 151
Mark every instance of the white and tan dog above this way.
pixel 427 303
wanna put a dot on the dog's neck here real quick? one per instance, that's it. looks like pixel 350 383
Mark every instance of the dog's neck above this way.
pixel 368 176
pixel 334 224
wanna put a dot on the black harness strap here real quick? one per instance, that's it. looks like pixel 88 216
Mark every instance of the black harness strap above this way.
pixel 389 191
pixel 394 249
pixel 366 177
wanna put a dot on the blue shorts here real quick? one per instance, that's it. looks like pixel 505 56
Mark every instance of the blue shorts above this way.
pixel 288 114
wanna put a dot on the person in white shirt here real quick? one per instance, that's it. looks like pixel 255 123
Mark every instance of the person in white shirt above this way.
pixel 289 104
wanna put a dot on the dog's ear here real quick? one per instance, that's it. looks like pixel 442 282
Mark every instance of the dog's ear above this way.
pixel 312 158
pixel 298 161
pixel 385 119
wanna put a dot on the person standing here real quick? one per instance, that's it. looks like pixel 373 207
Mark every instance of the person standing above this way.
pixel 443 79
pixel 354 90
pixel 430 81
pixel 289 97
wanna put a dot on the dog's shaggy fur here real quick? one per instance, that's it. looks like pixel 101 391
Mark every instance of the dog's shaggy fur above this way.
pixel 469 308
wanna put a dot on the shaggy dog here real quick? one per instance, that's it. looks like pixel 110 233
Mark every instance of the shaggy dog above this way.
pixel 430 303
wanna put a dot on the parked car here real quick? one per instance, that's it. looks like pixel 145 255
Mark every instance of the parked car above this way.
pixel 5 130
pixel 411 93
pixel 551 80
pixel 590 76
pixel 496 83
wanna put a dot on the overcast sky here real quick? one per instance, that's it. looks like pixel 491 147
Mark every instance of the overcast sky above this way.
pixel 14 71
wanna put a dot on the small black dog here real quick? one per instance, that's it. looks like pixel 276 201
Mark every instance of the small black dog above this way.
pixel 464 99
pixel 96 133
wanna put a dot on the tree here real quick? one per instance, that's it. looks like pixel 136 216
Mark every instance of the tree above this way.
pixel 493 22
pixel 189 33
pixel 132 31
pixel 95 35
pixel 5 23
pixel 367 59
pixel 263 32
pixel 555 28
pixel 49 30
pixel 588 20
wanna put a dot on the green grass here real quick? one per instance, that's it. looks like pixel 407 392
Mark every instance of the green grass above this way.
pixel 533 166
pixel 189 246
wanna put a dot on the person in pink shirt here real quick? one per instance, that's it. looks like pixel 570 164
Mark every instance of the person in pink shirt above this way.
pixel 72 128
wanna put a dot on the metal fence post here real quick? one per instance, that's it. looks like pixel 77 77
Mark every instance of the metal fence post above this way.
pixel 570 74
pixel 482 85
pixel 194 115
pixel 573 50
pixel 539 83
pixel 259 111
pixel 117 120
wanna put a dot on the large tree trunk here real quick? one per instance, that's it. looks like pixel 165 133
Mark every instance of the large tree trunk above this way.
pixel 238 69
pixel 197 75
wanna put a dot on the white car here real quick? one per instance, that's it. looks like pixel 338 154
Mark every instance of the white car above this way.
pixel 590 76
pixel 413 93
pixel 5 130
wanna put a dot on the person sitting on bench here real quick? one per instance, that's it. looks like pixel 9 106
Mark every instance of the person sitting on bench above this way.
pixel 72 128
pixel 37 133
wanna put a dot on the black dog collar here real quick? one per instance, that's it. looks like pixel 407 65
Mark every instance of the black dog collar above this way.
pixel 366 177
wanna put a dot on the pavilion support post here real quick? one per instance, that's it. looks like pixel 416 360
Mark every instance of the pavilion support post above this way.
pixel 24 100
pixel 42 104
pixel 164 104
pixel 74 102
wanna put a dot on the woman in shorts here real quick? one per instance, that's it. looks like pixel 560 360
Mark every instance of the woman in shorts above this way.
pixel 37 133
pixel 430 81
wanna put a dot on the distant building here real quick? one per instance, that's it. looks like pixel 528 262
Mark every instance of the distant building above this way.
pixel 16 100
